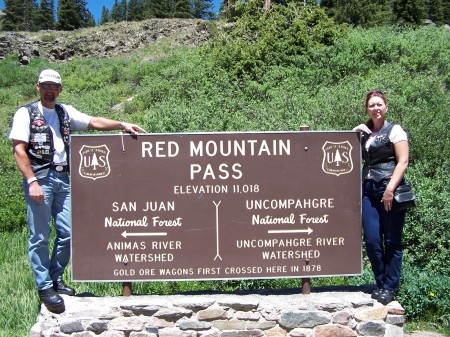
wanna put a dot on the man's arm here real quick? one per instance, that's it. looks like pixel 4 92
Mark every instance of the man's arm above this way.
pixel 23 163
pixel 104 124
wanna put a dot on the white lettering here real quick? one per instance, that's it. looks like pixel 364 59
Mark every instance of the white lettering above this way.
pixel 121 222
pixel 289 203
pixel 235 148
pixel 159 149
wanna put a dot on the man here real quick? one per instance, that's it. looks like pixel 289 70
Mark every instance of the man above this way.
pixel 40 135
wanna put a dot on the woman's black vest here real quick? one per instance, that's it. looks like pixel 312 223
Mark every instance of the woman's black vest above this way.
pixel 40 147
pixel 379 160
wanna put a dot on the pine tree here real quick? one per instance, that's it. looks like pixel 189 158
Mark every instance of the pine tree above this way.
pixel 30 14
pixel 350 11
pixel 409 11
pixel 105 16
pixel 366 14
pixel 46 15
pixel 162 9
pixel 124 10
pixel 21 15
pixel 436 11
pixel 119 11
pixel 135 10
pixel 329 6
pixel 182 9
pixel 86 16
pixel 147 9
pixel 69 16
pixel 337 158
pixel 446 12
pixel 115 10
pixel 203 9
pixel 13 15
pixel 90 20
pixel 228 10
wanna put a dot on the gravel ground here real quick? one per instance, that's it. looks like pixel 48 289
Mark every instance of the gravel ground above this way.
pixel 424 334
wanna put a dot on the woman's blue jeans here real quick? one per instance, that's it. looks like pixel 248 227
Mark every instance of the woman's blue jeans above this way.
pixel 382 235
pixel 56 190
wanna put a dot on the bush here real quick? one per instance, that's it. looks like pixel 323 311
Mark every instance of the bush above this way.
pixel 425 237
pixel 425 295
pixel 260 38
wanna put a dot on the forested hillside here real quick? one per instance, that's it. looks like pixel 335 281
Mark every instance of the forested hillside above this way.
pixel 268 70
pixel 34 15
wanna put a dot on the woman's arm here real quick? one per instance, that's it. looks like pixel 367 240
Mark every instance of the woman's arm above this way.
pixel 402 155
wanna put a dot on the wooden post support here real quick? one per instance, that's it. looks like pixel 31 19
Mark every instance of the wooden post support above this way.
pixel 127 289
pixel 304 127
pixel 306 282
pixel 306 286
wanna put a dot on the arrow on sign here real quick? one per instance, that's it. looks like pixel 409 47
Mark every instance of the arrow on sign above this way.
pixel 280 231
pixel 217 231
pixel 125 234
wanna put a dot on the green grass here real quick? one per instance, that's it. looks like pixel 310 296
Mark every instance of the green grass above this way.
pixel 19 304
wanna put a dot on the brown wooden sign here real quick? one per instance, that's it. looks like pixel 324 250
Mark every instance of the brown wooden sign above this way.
pixel 215 206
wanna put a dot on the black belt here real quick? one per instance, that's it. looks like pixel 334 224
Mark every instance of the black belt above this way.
pixel 60 168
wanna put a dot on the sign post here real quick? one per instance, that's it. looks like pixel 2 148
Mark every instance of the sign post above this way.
pixel 206 206
pixel 306 281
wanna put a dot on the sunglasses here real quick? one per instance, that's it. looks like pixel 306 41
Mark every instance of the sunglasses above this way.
pixel 49 86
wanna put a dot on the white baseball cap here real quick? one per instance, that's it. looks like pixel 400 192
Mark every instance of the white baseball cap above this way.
pixel 49 75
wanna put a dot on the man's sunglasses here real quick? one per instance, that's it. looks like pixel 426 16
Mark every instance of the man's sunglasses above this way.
pixel 50 86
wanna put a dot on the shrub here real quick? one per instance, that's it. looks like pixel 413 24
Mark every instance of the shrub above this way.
pixel 425 295
pixel 261 38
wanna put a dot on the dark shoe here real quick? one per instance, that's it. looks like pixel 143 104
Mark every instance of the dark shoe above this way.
pixel 376 293
pixel 61 288
pixel 386 296
pixel 52 301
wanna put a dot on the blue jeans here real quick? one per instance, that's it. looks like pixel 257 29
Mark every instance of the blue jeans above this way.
pixel 382 235
pixel 56 190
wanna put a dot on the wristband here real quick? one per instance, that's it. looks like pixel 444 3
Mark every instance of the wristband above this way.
pixel 32 179
pixel 122 127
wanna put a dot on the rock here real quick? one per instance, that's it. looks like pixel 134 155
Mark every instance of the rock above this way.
pixel 223 315
pixel 334 330
pixel 371 328
pixel 304 319
pixel 107 40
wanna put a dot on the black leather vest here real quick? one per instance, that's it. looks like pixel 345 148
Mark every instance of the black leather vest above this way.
pixel 40 147
pixel 379 160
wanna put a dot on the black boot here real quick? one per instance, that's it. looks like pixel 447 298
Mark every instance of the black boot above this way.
pixel 52 301
pixel 61 288
pixel 386 296
pixel 376 293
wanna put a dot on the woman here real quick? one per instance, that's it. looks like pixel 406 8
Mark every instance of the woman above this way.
pixel 385 154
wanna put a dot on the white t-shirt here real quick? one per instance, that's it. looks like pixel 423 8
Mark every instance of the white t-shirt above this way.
pixel 20 129
pixel 397 135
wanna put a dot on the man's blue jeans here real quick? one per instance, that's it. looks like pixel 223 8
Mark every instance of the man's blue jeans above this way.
pixel 382 235
pixel 39 214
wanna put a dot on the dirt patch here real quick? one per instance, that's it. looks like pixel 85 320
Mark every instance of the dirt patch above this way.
pixel 424 334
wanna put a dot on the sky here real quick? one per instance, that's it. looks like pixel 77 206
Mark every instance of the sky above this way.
pixel 95 6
